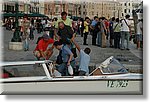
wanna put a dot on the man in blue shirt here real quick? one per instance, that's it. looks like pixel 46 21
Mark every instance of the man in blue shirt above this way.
pixel 94 35
pixel 84 59
pixel 67 57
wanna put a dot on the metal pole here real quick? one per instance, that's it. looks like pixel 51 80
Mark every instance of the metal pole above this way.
pixel 118 9
pixel 16 35
pixel 76 10
pixel 118 13
pixel 51 14
pixel 114 10
pixel 102 8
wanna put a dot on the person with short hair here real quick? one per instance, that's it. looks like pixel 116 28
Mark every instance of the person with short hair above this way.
pixel 86 30
pixel 106 22
pixel 100 32
pixel 42 50
pixel 67 21
pixel 65 33
pixel 139 34
pixel 125 32
pixel 111 24
pixel 104 33
pixel 117 34
pixel 66 56
pixel 84 59
pixel 94 33
pixel 26 32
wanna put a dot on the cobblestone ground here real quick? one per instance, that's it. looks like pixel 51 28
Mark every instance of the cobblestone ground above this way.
pixel 131 59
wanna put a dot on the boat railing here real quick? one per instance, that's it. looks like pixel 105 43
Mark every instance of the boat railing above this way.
pixel 43 65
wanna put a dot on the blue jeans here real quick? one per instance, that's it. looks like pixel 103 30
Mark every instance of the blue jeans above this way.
pixel 62 68
pixel 26 44
pixel 125 35
pixel 31 34
pixel 99 39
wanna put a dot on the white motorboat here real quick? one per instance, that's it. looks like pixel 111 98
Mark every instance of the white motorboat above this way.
pixel 40 77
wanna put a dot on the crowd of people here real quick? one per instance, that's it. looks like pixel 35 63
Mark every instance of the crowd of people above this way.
pixel 60 34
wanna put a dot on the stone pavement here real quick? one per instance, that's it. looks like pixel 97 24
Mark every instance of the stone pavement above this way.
pixel 131 59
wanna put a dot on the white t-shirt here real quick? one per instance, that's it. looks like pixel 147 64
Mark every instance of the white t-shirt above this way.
pixel 139 26
pixel 124 25
pixel 20 22
pixel 43 21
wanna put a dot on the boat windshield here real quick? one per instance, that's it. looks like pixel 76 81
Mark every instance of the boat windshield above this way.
pixel 23 71
pixel 114 66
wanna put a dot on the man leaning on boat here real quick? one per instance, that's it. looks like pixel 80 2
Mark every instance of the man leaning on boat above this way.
pixel 84 59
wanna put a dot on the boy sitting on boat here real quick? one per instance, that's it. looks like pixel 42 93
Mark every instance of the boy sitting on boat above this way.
pixel 84 59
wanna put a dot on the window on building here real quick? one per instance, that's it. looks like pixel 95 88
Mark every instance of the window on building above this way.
pixel 84 6
pixel 93 6
pixel 63 7
pixel 57 9
pixel 125 10
pixel 38 10
pixel 129 10
pixel 125 4
pixel 92 13
pixel 129 4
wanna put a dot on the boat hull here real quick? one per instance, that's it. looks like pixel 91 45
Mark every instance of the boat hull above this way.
pixel 75 87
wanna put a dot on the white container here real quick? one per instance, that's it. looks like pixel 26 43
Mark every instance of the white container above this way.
pixel 70 70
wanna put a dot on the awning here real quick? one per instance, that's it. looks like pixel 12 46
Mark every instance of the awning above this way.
pixel 22 14
pixel 36 15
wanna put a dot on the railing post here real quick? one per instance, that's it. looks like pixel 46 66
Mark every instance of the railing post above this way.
pixel 46 71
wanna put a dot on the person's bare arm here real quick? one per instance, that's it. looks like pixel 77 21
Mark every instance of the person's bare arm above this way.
pixel 70 58
pixel 56 36
pixel 91 27
pixel 76 44
pixel 43 55
pixel 141 29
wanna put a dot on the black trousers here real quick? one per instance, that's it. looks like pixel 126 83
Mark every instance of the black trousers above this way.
pixel 85 38
pixel 117 36
pixel 82 32
pixel 94 36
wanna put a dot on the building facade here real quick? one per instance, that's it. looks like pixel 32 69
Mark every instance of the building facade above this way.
pixel 8 6
pixel 26 6
pixel 78 8
pixel 54 8
pixel 128 6
pixel 103 9
pixel 41 8
pixel 34 6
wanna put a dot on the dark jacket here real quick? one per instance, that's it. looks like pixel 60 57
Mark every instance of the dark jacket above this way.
pixel 65 34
